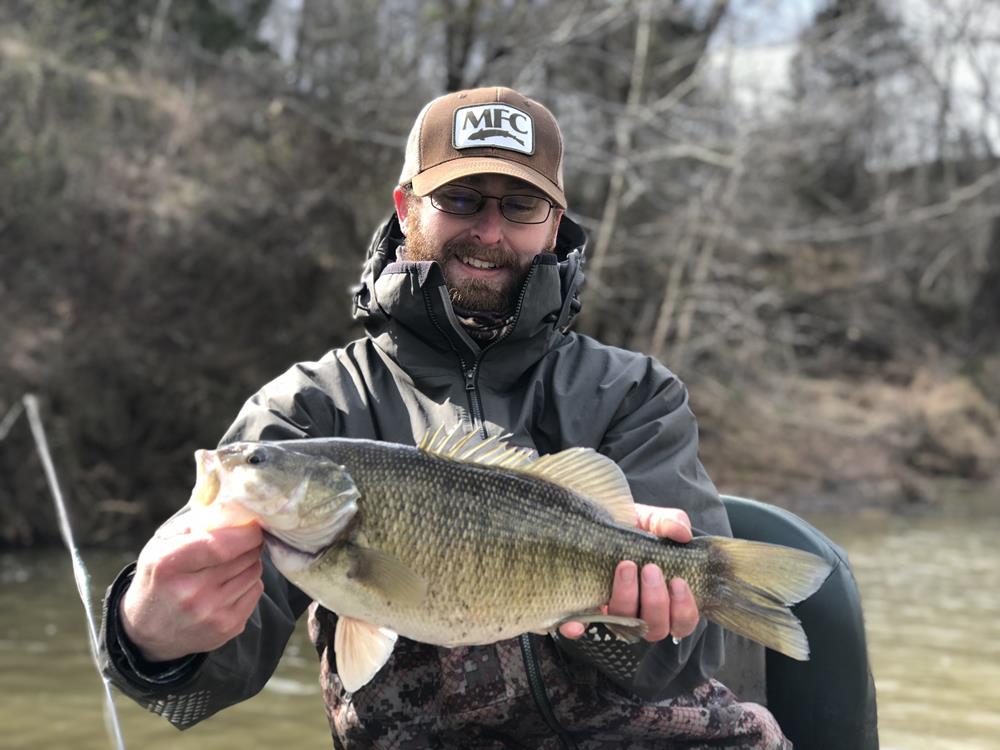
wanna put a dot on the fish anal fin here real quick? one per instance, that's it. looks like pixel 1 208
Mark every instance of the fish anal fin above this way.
pixel 388 576
pixel 362 650
pixel 628 629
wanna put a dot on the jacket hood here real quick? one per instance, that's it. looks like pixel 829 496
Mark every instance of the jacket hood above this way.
pixel 406 309
pixel 570 250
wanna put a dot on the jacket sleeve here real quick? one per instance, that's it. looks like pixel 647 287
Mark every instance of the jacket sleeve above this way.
pixel 193 688
pixel 654 439
pixel 190 689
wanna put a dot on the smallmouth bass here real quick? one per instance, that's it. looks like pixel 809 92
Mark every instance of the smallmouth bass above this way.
pixel 457 542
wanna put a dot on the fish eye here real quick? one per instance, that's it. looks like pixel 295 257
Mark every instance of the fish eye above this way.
pixel 257 457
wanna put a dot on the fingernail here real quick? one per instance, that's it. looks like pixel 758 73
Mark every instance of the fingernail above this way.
pixel 651 575
pixel 676 588
pixel 628 574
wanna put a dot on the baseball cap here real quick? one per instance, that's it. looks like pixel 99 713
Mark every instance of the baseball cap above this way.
pixel 487 130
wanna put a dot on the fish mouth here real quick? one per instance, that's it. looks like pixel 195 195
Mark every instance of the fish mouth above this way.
pixel 207 481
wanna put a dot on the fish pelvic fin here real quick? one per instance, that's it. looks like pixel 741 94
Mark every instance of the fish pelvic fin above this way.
pixel 754 583
pixel 362 650
pixel 387 576
pixel 582 470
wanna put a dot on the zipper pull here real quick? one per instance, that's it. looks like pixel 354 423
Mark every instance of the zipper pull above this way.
pixel 470 379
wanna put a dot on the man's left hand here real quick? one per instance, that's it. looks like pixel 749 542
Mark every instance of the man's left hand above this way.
pixel 668 609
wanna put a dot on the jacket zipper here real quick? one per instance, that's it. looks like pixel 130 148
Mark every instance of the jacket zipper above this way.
pixel 470 376
pixel 475 403
pixel 538 691
pixel 531 667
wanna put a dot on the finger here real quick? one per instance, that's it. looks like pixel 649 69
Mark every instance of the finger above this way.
pixel 234 618
pixel 645 512
pixel 227 571
pixel 175 527
pixel 571 629
pixel 654 603
pixel 683 609
pixel 209 549
pixel 243 607
pixel 672 523
pixel 235 540
pixel 234 588
pixel 625 590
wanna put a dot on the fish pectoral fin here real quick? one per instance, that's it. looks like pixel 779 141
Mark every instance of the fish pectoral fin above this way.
pixel 388 576
pixel 628 629
pixel 362 650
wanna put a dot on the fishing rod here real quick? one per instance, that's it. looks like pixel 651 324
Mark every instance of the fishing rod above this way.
pixel 29 405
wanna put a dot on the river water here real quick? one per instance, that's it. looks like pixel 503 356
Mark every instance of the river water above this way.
pixel 930 586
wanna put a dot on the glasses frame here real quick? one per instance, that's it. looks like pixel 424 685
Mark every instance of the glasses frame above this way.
pixel 498 198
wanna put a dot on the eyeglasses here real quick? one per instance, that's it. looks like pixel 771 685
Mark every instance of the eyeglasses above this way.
pixel 465 201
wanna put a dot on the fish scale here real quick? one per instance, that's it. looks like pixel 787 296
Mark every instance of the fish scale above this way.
pixel 475 540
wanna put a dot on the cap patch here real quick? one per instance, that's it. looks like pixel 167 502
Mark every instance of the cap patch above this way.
pixel 495 125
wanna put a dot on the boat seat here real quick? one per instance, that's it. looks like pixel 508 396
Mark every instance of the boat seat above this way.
pixel 828 702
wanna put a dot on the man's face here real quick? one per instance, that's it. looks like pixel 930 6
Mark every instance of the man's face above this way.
pixel 484 256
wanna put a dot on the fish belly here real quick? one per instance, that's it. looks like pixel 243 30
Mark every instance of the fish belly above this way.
pixel 508 589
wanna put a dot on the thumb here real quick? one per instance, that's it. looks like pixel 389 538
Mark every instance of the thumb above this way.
pixel 672 523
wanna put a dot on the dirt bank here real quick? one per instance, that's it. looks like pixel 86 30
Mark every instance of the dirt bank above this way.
pixel 825 444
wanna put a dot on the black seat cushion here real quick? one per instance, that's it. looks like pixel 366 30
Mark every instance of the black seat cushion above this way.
pixel 828 702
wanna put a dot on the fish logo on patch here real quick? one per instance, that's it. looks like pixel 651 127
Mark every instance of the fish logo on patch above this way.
pixel 494 125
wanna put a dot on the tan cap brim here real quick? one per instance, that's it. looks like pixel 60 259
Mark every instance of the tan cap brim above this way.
pixel 434 177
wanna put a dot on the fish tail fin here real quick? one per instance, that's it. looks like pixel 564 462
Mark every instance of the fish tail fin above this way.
pixel 755 583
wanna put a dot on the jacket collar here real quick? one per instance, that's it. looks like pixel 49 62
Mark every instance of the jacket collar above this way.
pixel 406 310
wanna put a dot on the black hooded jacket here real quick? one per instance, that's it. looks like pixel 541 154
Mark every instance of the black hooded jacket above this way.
pixel 418 369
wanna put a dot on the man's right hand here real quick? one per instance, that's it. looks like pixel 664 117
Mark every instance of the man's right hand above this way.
pixel 193 590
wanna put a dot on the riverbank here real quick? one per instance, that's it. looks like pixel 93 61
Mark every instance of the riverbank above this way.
pixel 930 441
pixel 178 232
pixel 893 443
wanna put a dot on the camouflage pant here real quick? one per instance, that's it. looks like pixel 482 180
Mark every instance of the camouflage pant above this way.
pixel 480 697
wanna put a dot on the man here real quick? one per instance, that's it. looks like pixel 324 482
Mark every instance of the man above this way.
pixel 466 296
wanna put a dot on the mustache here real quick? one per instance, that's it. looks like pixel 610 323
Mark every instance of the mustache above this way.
pixel 496 254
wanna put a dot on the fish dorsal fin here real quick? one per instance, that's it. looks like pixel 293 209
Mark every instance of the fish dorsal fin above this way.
pixel 582 470
pixel 466 447
pixel 591 474
pixel 362 650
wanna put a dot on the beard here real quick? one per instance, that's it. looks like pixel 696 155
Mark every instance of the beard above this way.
pixel 476 295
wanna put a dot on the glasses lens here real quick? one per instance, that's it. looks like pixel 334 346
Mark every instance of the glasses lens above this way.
pixel 465 201
pixel 525 209
pixel 455 199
